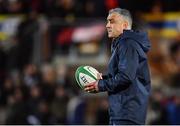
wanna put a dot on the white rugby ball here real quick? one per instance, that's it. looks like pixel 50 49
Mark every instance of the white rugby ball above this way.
pixel 85 75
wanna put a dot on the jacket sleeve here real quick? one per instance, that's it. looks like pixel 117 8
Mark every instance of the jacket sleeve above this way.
pixel 127 66
pixel 106 76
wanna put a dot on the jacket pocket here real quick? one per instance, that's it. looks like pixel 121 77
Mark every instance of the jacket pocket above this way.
pixel 115 105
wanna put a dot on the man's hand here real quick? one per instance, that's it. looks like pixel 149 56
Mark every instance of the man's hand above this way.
pixel 93 87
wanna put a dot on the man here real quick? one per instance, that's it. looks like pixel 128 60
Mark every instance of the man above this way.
pixel 128 80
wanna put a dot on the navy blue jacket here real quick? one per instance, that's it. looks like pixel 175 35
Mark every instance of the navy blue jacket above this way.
pixel 128 77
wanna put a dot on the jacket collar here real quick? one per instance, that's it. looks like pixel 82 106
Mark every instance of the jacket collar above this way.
pixel 116 40
pixel 114 43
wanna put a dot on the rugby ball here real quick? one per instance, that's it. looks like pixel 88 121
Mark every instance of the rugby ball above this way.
pixel 85 75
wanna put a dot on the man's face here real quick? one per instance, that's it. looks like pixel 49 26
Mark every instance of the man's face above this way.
pixel 115 25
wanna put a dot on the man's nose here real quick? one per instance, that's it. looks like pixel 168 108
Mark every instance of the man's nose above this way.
pixel 108 25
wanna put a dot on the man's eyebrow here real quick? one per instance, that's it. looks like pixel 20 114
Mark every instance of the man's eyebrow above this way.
pixel 110 19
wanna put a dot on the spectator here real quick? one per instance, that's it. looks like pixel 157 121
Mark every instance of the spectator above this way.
pixel 17 110
pixel 31 75
pixel 175 56
pixel 45 116
pixel 48 83
pixel 25 38
pixel 7 90
pixel 102 112
pixel 59 105
pixel 173 111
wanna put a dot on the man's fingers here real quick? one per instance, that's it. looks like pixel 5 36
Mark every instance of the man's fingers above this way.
pixel 88 85
pixel 99 76
pixel 89 88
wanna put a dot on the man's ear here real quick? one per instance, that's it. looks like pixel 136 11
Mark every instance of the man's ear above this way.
pixel 125 24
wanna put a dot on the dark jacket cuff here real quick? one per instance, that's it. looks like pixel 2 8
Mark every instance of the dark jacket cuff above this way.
pixel 101 86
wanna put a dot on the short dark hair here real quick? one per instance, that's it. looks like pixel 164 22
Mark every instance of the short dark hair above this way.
pixel 124 13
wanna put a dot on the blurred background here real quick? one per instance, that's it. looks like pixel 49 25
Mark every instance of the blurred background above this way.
pixel 42 42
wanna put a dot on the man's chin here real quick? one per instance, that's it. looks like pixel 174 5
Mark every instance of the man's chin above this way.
pixel 110 36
